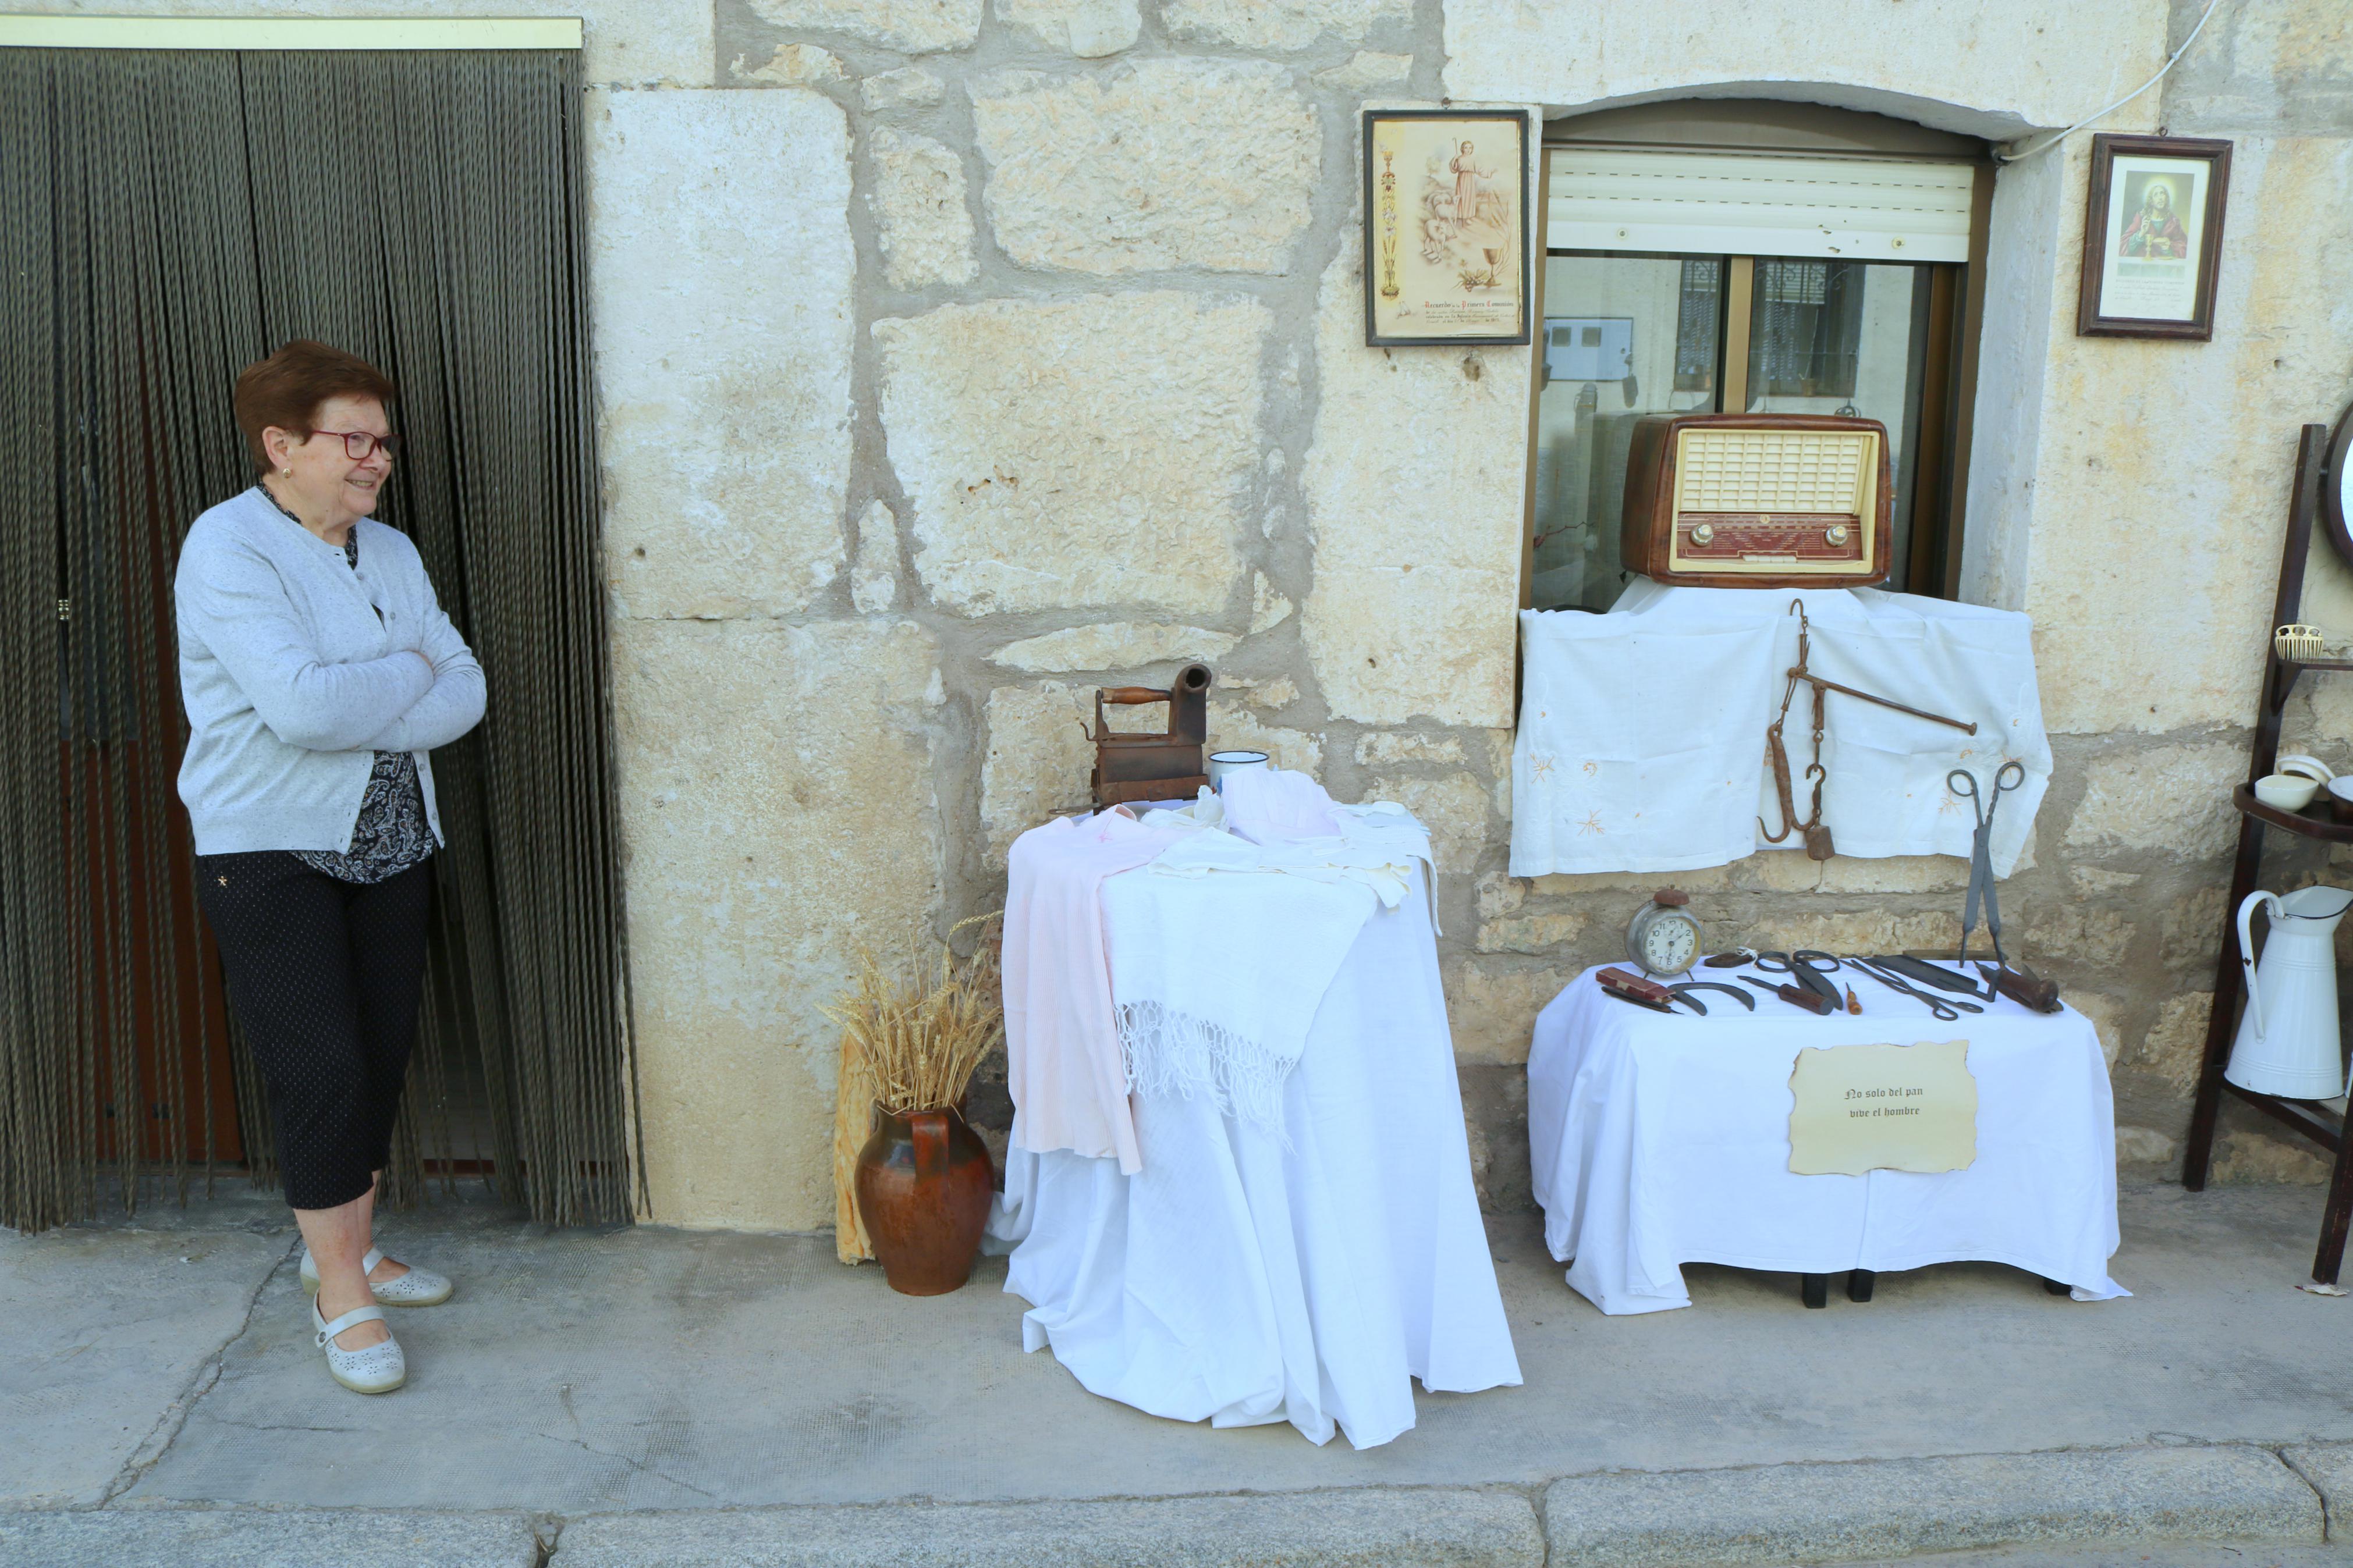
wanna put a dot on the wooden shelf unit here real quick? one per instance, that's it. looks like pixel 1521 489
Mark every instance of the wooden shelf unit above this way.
pixel 2303 1118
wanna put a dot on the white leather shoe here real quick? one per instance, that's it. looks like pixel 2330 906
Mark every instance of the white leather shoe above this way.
pixel 413 1289
pixel 378 1369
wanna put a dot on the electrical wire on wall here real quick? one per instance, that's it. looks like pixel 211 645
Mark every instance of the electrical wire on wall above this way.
pixel 2052 140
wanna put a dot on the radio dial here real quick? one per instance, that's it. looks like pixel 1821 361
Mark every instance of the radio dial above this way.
pixel 1703 533
pixel 1835 534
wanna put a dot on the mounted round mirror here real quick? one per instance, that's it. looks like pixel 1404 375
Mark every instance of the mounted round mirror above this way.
pixel 2337 488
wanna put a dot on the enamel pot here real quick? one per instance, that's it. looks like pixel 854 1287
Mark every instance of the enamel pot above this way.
pixel 2287 1043
pixel 924 1186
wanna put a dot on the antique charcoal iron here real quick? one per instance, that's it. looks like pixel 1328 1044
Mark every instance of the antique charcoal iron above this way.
pixel 1167 766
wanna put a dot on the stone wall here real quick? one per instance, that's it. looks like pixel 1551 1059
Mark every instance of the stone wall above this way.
pixel 960 356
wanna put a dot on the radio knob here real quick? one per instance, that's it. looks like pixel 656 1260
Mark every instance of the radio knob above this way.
pixel 1703 533
pixel 1835 534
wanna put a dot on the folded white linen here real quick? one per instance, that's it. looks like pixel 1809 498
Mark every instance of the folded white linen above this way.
pixel 1214 978
pixel 1376 843
pixel 1269 804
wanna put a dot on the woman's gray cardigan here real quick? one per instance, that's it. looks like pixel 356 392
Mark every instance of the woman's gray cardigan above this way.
pixel 296 670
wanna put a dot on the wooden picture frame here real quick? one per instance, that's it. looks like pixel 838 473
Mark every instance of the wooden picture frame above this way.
pixel 2153 236
pixel 1434 275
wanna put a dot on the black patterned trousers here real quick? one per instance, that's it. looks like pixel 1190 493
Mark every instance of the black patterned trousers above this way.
pixel 325 978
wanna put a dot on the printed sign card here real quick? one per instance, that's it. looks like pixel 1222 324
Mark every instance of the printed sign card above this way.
pixel 1882 1108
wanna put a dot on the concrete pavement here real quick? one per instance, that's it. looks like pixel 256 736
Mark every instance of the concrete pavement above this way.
pixel 650 1395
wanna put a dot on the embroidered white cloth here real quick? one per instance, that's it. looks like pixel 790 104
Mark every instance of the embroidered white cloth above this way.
pixel 1214 978
pixel 1642 736
pixel 1306 1274
pixel 1657 1140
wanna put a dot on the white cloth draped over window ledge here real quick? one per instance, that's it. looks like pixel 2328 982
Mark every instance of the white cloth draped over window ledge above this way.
pixel 1642 734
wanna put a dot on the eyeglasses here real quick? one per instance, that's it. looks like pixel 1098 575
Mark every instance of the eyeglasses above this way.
pixel 359 445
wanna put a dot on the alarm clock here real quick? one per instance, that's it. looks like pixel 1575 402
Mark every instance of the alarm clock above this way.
pixel 1665 937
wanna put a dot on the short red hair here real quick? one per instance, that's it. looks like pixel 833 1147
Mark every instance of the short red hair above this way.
pixel 286 388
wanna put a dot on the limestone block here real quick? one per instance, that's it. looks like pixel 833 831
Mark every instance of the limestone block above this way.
pixel 2171 797
pixel 1279 25
pixel 2144 1146
pixel 1235 727
pixel 2084 932
pixel 776 810
pixel 1121 646
pixel 1269 609
pixel 794 65
pixel 2054 73
pixel 1895 874
pixel 2111 666
pixel 1865 930
pixel 1452 806
pixel 1037 760
pixel 1379 747
pixel 1160 164
pixel 1365 72
pixel 2174 1049
pixel 1067 453
pixel 874 581
pixel 1492 1006
pixel 1280 692
pixel 2251 1156
pixel 720 279
pixel 909 87
pixel 1544 935
pixel 2097 881
pixel 2105 1014
pixel 1414 487
pixel 919 215
pixel 1090 29
pixel 2192 934
pixel 918 27
pixel 1499 893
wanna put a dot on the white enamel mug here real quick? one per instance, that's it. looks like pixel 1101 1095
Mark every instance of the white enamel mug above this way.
pixel 1224 763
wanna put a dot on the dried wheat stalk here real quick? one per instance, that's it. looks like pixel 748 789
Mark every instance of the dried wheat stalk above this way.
pixel 920 1034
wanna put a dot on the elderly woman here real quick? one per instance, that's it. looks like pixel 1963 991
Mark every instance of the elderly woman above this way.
pixel 318 671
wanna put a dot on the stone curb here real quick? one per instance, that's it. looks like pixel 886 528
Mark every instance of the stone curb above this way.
pixel 2329 1467
pixel 1353 1529
pixel 267 1538
pixel 1882 1509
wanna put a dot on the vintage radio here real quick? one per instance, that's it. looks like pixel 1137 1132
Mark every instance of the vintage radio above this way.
pixel 1757 500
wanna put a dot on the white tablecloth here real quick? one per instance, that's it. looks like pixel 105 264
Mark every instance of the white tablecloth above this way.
pixel 1601 783
pixel 1241 1282
pixel 1658 1140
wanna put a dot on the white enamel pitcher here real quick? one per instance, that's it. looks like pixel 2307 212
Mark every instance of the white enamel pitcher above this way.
pixel 2287 1040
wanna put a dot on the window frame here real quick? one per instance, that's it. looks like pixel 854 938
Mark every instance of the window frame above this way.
pixel 1956 303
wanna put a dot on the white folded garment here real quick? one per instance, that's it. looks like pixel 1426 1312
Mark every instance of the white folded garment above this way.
pixel 1214 978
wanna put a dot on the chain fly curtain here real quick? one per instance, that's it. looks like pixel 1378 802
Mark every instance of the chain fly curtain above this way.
pixel 166 220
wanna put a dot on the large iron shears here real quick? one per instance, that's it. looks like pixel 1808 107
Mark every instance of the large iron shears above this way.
pixel 1964 785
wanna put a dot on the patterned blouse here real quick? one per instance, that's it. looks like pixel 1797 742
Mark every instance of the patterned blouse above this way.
pixel 392 833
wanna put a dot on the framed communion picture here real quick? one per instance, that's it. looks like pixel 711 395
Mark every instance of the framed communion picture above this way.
pixel 2153 236
pixel 1446 227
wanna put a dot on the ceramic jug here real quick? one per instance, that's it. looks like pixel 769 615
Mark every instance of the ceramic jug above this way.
pixel 2287 1040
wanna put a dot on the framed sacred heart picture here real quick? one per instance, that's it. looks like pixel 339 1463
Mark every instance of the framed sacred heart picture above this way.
pixel 2153 236
pixel 1447 228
